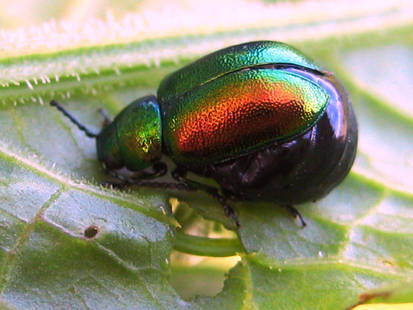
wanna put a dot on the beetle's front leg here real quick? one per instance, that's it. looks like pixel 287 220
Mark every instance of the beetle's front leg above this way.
pixel 159 169
pixel 179 174
pixel 140 179
pixel 296 214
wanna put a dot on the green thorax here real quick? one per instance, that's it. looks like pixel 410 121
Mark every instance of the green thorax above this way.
pixel 134 138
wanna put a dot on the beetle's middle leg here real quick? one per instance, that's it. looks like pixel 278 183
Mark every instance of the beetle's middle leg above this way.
pixel 296 214
pixel 179 174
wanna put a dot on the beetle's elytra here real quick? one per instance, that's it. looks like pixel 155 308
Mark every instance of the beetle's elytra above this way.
pixel 260 118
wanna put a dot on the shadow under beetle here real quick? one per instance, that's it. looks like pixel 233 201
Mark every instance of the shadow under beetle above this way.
pixel 260 118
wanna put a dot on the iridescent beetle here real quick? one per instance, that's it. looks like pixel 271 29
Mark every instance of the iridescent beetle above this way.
pixel 260 118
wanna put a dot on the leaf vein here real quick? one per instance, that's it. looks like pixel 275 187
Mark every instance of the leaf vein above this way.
pixel 11 257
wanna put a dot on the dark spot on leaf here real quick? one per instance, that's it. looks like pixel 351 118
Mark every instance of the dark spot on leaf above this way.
pixel 365 297
pixel 369 296
pixel 91 232
pixel 388 263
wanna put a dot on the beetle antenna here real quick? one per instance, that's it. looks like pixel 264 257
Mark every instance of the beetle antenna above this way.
pixel 58 106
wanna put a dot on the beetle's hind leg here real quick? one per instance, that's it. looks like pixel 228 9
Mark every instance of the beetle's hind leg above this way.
pixel 296 214
pixel 179 174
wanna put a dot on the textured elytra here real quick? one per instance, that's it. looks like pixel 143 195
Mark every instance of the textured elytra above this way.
pixel 227 60
pixel 238 113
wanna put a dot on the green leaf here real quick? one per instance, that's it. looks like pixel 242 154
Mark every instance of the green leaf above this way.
pixel 67 242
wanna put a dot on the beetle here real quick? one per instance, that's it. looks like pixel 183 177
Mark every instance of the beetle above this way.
pixel 260 118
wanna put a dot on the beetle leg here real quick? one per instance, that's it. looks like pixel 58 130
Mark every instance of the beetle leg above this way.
pixel 297 215
pixel 160 185
pixel 138 178
pixel 118 180
pixel 159 169
pixel 179 174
